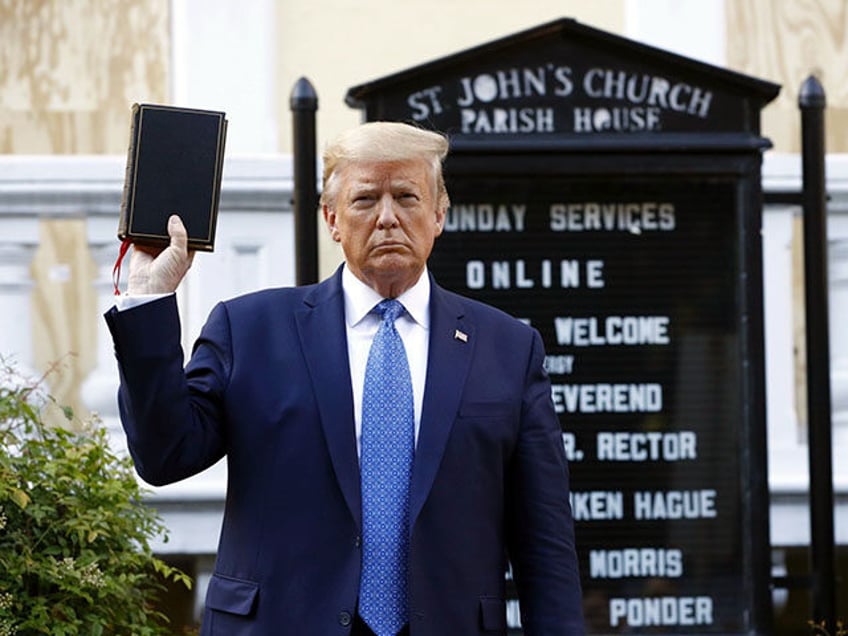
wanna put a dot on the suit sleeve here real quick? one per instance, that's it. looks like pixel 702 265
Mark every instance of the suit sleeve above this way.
pixel 174 419
pixel 540 527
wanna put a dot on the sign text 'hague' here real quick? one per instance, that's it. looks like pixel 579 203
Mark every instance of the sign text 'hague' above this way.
pixel 566 100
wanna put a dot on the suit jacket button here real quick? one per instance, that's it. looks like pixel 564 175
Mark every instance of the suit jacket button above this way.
pixel 345 619
pixel 357 541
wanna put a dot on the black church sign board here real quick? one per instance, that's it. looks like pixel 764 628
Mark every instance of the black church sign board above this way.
pixel 609 193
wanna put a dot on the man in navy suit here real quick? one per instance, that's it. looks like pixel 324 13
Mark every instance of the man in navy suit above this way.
pixel 275 384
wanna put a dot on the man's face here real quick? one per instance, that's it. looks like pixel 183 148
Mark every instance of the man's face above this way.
pixel 386 217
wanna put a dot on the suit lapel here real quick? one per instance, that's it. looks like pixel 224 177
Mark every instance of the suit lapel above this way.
pixel 451 346
pixel 322 335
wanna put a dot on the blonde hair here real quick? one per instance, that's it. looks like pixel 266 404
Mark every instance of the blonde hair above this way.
pixel 384 141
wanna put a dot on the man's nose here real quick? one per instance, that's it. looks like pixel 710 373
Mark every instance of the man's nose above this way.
pixel 386 213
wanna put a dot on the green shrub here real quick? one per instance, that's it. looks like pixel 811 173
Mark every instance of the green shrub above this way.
pixel 75 554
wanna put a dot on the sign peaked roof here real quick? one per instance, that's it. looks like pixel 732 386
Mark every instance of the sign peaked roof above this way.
pixel 566 78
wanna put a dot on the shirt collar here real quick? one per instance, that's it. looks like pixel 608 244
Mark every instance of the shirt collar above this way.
pixel 360 299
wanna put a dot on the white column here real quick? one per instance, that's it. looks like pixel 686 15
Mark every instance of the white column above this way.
pixel 16 306
pixel 838 310
pixel 215 66
pixel 692 28
pixel 100 389
pixel 787 449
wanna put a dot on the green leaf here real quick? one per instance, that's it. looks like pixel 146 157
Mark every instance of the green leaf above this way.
pixel 20 497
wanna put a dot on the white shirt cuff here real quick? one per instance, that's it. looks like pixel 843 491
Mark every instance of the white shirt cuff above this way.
pixel 124 301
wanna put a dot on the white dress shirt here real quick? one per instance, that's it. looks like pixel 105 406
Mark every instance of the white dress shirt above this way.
pixel 361 325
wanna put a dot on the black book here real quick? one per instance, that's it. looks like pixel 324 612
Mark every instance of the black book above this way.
pixel 174 166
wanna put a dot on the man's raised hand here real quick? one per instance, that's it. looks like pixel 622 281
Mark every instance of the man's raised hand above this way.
pixel 159 271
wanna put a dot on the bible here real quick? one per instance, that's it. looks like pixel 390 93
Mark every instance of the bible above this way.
pixel 174 166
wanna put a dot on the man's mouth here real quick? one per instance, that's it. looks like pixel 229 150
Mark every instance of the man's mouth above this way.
pixel 389 245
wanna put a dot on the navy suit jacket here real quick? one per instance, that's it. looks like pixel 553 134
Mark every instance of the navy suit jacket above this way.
pixel 268 385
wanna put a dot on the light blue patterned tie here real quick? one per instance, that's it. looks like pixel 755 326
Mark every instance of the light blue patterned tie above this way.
pixel 388 440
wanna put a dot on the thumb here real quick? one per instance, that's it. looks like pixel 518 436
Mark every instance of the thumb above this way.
pixel 178 233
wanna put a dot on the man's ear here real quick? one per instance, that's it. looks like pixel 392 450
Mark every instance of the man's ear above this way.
pixel 440 220
pixel 330 220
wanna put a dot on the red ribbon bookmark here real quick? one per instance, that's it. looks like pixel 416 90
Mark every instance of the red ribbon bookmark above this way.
pixel 116 271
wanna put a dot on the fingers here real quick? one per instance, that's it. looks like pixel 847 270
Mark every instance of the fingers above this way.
pixel 139 271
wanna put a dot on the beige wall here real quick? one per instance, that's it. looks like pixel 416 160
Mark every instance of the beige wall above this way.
pixel 785 41
pixel 69 69
pixel 337 44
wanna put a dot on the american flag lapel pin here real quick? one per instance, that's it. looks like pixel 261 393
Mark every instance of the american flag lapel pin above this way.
pixel 460 335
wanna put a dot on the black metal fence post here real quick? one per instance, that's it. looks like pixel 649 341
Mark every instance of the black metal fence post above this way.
pixel 304 105
pixel 812 103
